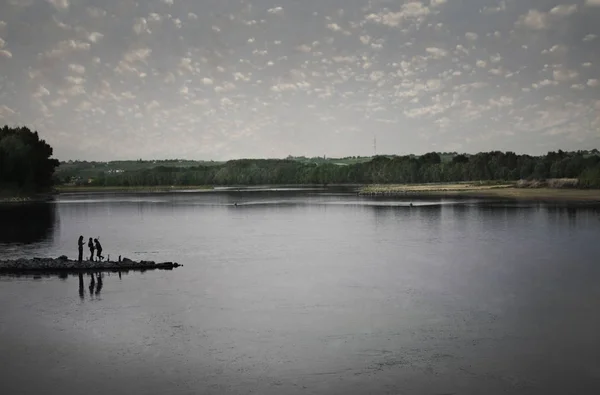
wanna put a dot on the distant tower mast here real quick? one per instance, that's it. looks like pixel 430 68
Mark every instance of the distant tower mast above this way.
pixel 375 146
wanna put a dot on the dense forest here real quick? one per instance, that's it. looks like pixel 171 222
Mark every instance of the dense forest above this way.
pixel 25 163
pixel 428 168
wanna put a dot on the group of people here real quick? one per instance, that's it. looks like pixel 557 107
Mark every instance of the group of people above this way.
pixel 94 245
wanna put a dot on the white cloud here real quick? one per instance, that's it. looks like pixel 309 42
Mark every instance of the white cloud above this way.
pixel 140 26
pixel 207 81
pixel 435 3
pixel 592 3
pixel 564 10
pixel 67 46
pixel 589 37
pixel 334 27
pixel 564 75
pixel 96 12
pixel 587 64
pixel 481 64
pixel 137 55
pixel 2 43
pixel 437 53
pixel 496 58
pixel 59 4
pixel 192 16
pixel 168 2
pixel 535 20
pixel 413 10
pixel 77 68
pixel 304 48
pixel 593 83
pixel 41 91
pixel 275 10
pixel 365 39
pixel 154 17
pixel 492 10
pixel 471 36
pixel 95 37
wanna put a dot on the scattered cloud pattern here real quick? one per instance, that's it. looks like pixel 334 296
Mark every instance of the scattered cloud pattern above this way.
pixel 259 78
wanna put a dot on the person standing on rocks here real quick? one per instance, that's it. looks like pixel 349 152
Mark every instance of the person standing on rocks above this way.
pixel 80 243
pixel 91 247
pixel 98 250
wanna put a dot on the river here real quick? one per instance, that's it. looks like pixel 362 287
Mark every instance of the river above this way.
pixel 304 291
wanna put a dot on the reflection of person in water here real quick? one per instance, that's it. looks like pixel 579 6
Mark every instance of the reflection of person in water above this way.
pixel 99 284
pixel 81 292
pixel 98 250
pixel 80 244
pixel 91 246
pixel 92 283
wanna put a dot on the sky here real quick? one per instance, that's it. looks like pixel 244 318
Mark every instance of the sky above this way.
pixel 227 79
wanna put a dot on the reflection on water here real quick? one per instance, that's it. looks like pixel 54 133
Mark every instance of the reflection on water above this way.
pixel 27 223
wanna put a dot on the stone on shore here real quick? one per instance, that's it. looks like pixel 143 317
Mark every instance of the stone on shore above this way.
pixel 62 263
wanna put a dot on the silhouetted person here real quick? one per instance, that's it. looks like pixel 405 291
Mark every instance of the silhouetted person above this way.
pixel 80 243
pixel 91 247
pixel 81 292
pixel 98 250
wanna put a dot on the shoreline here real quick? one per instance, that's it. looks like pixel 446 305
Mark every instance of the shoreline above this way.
pixel 474 190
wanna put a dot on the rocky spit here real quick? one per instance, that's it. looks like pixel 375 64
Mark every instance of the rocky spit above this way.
pixel 63 264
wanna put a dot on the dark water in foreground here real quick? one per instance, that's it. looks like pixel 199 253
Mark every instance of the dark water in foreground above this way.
pixel 313 292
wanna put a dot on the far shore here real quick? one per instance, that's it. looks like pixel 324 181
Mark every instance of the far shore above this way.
pixel 506 191
pixel 87 188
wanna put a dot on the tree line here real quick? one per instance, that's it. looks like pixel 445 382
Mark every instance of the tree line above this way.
pixel 428 168
pixel 25 162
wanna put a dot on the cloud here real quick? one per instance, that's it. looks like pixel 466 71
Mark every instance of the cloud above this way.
pixel 493 10
pixel 207 81
pixel 593 83
pixel 2 43
pixel 535 20
pixel 4 53
pixel 95 37
pixel 564 10
pixel 141 26
pixel 192 16
pixel 437 53
pixel 275 10
pixel 590 37
pixel 67 46
pixel 77 68
pixel 592 3
pixel 96 12
pixel 413 10
pixel 563 75
pixel 334 27
pixel 59 4
pixel 436 3
pixel 471 36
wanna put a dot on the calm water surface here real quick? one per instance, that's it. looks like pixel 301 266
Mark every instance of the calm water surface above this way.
pixel 304 292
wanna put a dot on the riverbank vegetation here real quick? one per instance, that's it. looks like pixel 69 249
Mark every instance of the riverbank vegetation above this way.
pixel 26 166
pixel 584 166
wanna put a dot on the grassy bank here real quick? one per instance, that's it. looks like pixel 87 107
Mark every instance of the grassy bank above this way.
pixel 506 190
pixel 73 189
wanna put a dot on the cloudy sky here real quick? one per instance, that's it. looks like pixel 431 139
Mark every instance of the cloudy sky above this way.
pixel 223 79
